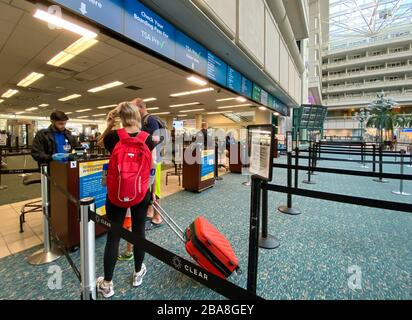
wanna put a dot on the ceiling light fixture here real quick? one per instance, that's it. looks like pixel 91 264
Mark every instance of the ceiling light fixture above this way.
pixel 236 106
pixel 219 112
pixel 186 93
pixel 106 86
pixel 31 78
pixel 197 80
pixel 149 99
pixel 154 108
pixel 108 106
pixel 160 113
pixel 193 110
pixel 240 99
pixel 83 110
pixel 82 117
pixel 99 115
pixel 43 105
pixel 32 109
pixel 62 23
pixel 184 104
pixel 68 112
pixel 1 100
pixel 71 97
pixel 9 93
pixel 262 108
pixel 20 112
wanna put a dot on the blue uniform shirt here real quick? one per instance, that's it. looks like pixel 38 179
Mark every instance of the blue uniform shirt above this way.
pixel 60 140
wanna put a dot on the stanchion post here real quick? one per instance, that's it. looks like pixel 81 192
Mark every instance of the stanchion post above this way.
pixel 401 192
pixel 296 167
pixel 254 235
pixel 314 159
pixel 410 157
pixel 374 158
pixel 49 253
pixel 266 241
pixel 310 164
pixel 217 162
pixel 380 179
pixel 288 208
pixel 87 250
pixel 1 161
pixel 363 150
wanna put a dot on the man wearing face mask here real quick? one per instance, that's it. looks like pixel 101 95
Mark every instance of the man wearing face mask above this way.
pixel 54 139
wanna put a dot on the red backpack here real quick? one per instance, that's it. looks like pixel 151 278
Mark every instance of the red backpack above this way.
pixel 128 174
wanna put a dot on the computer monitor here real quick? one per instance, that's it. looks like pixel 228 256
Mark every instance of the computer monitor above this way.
pixel 178 125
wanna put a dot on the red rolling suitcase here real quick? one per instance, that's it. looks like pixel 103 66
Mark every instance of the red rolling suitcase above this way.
pixel 205 244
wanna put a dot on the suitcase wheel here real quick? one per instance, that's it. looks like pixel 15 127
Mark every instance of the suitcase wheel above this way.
pixel 209 242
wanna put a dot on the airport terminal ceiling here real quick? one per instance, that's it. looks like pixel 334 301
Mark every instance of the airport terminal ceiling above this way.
pixel 366 18
pixel 28 47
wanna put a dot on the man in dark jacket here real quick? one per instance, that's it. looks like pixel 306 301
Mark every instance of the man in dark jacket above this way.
pixel 53 139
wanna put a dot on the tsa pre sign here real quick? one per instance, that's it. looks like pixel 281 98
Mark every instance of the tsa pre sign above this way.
pixel 90 180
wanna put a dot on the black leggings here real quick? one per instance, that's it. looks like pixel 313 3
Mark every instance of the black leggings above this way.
pixel 117 214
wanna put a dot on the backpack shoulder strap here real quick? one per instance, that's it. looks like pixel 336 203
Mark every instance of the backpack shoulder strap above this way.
pixel 146 118
pixel 142 137
pixel 122 133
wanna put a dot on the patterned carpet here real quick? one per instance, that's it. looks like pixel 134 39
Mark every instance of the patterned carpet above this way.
pixel 317 247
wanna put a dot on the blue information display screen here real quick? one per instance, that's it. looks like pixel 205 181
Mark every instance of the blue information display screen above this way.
pixel 234 80
pixel 257 93
pixel 190 53
pixel 142 25
pixel 216 69
pixel 108 13
pixel 147 28
pixel 264 97
pixel 247 87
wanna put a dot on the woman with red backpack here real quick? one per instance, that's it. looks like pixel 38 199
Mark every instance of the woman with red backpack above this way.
pixel 128 186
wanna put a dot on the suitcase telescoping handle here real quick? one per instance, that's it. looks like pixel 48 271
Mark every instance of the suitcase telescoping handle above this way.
pixel 169 221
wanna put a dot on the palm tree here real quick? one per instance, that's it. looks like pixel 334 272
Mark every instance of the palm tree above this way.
pixel 382 117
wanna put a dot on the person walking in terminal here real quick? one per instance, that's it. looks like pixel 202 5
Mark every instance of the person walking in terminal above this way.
pixel 119 144
pixel 151 125
pixel 54 139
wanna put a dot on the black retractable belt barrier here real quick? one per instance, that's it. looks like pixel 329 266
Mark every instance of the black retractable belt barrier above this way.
pixel 221 286
pixel 18 171
pixel 288 208
pixel 373 203
pixel 348 172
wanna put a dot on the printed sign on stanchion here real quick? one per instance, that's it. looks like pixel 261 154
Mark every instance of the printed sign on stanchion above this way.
pixel 261 138
pixel 261 141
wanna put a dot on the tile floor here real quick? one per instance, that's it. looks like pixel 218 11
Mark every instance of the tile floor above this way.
pixel 12 241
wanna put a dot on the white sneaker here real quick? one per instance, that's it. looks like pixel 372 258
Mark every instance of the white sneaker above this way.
pixel 138 276
pixel 106 289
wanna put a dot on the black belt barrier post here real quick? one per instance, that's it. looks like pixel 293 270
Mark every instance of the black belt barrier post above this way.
pixel 266 241
pixel 410 157
pixel 254 235
pixel 2 187
pixel 49 253
pixel 296 167
pixel 380 179
pixel 363 147
pixel 288 208
pixel 401 192
pixel 217 163
pixel 314 159
pixel 374 158
pixel 310 164
pixel 87 250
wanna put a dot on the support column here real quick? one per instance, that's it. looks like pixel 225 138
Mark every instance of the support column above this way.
pixel 199 119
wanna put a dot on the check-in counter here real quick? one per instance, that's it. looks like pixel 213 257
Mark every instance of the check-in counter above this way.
pixel 81 179
pixel 198 169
